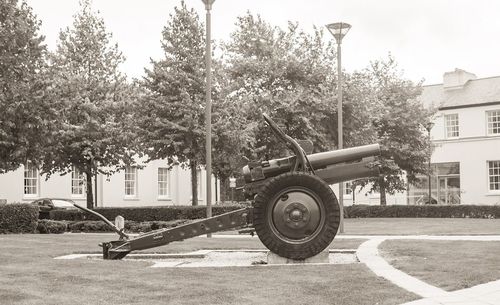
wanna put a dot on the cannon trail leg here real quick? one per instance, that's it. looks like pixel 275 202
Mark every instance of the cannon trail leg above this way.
pixel 296 215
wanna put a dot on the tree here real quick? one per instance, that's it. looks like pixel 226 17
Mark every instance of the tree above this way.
pixel 233 135
pixel 397 119
pixel 91 97
pixel 172 111
pixel 290 75
pixel 25 117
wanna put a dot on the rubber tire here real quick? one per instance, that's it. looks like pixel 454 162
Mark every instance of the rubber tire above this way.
pixel 297 251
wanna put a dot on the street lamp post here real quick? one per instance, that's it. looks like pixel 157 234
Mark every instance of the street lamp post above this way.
pixel 208 107
pixel 339 30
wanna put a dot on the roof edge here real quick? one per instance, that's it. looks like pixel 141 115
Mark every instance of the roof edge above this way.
pixel 469 105
pixel 471 80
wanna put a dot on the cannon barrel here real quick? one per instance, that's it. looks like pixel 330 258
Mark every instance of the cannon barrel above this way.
pixel 332 166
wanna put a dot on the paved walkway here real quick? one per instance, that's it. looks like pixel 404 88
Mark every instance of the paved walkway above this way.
pixel 485 294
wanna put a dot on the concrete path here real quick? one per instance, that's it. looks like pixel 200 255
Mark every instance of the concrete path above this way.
pixel 369 255
pixel 485 294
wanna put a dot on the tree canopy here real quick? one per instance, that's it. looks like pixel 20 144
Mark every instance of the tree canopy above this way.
pixel 92 100
pixel 25 117
pixel 398 120
pixel 172 111
pixel 75 108
pixel 285 73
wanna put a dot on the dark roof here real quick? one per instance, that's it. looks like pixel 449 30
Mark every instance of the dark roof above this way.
pixel 474 93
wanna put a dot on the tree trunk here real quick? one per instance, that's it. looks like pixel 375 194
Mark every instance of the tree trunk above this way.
pixel 88 177
pixel 194 182
pixel 223 189
pixel 383 198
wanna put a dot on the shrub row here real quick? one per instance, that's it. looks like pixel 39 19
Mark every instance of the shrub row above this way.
pixel 18 218
pixel 46 226
pixel 145 213
pixel 425 211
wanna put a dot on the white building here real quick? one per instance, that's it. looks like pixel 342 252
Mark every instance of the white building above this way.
pixel 466 139
pixel 153 185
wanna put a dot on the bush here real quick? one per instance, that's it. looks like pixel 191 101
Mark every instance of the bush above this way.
pixel 18 218
pixel 130 226
pixel 141 214
pixel 89 226
pixel 424 211
pixel 46 226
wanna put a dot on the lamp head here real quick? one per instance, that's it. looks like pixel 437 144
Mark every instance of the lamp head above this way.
pixel 338 30
pixel 208 4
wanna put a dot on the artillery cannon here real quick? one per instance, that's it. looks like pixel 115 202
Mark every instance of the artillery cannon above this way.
pixel 294 211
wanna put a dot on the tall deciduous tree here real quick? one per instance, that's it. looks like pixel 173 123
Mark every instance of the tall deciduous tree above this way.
pixel 398 120
pixel 91 96
pixel 172 113
pixel 290 75
pixel 24 116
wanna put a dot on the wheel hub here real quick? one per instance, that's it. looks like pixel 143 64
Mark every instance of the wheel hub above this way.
pixel 296 215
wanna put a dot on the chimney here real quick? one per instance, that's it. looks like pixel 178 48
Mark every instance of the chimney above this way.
pixel 457 79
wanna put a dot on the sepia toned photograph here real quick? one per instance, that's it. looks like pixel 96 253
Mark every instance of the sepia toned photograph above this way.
pixel 249 152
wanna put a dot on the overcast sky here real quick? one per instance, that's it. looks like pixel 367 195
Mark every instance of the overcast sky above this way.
pixel 427 37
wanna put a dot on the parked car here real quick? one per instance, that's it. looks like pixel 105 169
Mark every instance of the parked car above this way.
pixel 48 204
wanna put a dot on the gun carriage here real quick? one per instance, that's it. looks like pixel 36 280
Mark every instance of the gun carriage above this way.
pixel 294 211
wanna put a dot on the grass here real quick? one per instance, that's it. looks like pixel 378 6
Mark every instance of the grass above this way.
pixel 31 276
pixel 422 226
pixel 418 226
pixel 450 265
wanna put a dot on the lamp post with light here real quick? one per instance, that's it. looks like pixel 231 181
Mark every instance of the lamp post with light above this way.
pixel 208 107
pixel 339 30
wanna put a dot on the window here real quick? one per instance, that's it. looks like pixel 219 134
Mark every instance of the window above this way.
pixel 348 188
pixel 163 187
pixel 77 182
pixel 30 180
pixel 494 175
pixel 493 122
pixel 130 181
pixel 451 125
pixel 198 176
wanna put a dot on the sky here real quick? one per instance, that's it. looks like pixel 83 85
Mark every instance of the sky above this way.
pixel 426 37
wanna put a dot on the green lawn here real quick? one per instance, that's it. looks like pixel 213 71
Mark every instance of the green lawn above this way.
pixel 29 275
pixel 451 265
pixel 422 226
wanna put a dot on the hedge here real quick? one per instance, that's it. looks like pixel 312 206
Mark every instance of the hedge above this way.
pixel 130 226
pixel 424 211
pixel 18 218
pixel 162 213
pixel 47 226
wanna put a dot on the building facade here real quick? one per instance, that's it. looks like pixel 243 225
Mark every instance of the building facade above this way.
pixel 466 140
pixel 154 184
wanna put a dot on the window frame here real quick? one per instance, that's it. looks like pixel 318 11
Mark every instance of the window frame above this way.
pixel 128 171
pixel 163 184
pixel 80 177
pixel 488 132
pixel 450 129
pixel 28 167
pixel 347 188
pixel 489 175
pixel 199 183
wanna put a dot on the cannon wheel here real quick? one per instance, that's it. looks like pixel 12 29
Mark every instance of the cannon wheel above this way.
pixel 296 215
